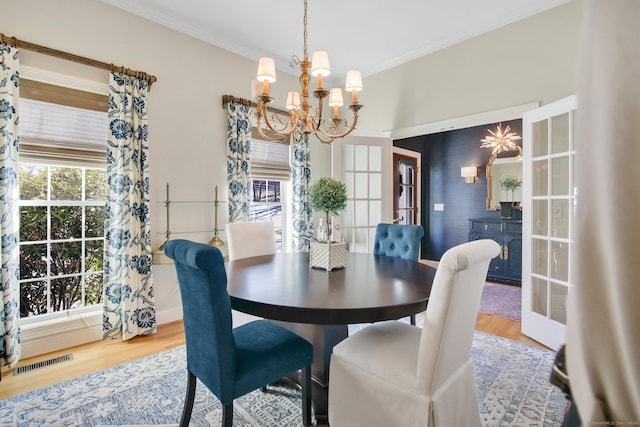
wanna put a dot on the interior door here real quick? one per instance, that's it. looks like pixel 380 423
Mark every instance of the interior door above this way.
pixel 406 186
pixel 364 165
pixel 548 217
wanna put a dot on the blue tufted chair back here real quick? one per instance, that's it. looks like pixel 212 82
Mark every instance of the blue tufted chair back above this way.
pixel 398 240
pixel 207 315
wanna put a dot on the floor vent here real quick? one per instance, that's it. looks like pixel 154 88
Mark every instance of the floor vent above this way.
pixel 42 364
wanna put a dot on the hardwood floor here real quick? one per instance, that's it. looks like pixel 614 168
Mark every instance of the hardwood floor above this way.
pixel 100 355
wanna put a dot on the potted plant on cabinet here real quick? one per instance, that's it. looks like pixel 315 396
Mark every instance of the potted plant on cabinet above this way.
pixel 509 183
pixel 327 195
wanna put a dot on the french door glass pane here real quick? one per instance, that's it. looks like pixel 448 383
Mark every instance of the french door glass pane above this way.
pixel 375 185
pixel 361 185
pixel 540 138
pixel 558 302
pixel 349 181
pixel 360 241
pixel 560 261
pixel 361 213
pixel 539 216
pixel 375 159
pixel 539 296
pixel 560 176
pixel 347 157
pixel 361 158
pixel 348 214
pixel 560 218
pixel 540 257
pixel 375 212
pixel 540 182
pixel 560 133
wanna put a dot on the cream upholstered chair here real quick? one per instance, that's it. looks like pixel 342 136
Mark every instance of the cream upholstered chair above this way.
pixel 394 374
pixel 248 239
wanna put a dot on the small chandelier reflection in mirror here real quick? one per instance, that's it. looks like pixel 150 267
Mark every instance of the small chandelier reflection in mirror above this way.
pixel 501 140
pixel 311 121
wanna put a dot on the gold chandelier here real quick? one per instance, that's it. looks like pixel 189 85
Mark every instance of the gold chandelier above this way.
pixel 274 128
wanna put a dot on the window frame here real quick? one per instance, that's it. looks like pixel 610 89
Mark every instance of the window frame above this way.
pixel 87 94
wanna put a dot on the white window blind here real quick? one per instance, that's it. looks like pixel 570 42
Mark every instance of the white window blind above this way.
pixel 51 132
pixel 270 160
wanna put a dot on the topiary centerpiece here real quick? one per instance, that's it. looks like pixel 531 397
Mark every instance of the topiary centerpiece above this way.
pixel 328 195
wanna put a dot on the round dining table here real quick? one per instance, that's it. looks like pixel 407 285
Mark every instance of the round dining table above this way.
pixel 319 305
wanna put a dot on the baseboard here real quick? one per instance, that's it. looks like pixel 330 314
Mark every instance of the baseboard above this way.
pixel 57 334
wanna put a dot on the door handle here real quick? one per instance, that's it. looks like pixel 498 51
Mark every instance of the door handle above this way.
pixel 397 220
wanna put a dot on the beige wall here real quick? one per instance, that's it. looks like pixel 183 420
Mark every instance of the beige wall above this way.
pixel 187 123
pixel 531 60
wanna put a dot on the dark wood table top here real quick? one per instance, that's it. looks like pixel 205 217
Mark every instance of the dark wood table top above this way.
pixel 370 288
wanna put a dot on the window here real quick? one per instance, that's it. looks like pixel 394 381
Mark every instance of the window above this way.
pixel 270 176
pixel 61 237
pixel 266 206
pixel 62 198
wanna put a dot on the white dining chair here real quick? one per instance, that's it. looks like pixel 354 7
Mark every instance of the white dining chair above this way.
pixel 249 239
pixel 394 374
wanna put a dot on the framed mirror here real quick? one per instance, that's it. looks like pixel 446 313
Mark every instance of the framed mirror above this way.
pixel 499 168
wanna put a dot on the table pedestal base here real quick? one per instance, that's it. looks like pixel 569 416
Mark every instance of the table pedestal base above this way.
pixel 323 338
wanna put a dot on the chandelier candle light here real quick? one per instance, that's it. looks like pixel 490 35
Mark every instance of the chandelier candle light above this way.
pixel 274 128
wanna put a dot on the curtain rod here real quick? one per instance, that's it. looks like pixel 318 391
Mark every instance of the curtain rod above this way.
pixel 226 99
pixel 76 58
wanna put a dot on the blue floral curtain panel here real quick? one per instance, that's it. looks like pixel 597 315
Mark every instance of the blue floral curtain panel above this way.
pixel 9 194
pixel 129 307
pixel 238 158
pixel 301 210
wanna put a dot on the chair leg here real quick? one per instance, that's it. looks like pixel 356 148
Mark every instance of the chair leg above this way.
pixel 227 415
pixel 306 396
pixel 412 318
pixel 188 401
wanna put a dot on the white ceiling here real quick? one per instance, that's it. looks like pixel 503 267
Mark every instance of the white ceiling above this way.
pixel 369 35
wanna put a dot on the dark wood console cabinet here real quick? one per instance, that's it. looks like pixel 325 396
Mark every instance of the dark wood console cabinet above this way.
pixel 507 266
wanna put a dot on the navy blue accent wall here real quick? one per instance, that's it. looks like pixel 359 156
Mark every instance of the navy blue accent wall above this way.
pixel 443 154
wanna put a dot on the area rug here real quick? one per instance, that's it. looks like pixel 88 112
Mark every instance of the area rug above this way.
pixel 512 378
pixel 501 300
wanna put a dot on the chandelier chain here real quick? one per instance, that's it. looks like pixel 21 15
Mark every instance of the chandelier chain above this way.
pixel 304 21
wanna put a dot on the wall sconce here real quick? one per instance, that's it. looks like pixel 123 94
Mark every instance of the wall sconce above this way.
pixel 469 174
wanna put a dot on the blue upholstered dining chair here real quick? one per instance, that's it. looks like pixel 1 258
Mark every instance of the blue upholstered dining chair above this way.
pixel 230 361
pixel 400 241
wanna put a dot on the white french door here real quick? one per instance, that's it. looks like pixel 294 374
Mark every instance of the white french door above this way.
pixel 548 218
pixel 364 165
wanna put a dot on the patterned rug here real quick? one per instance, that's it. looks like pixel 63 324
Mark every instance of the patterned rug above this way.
pixel 512 378
pixel 501 300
